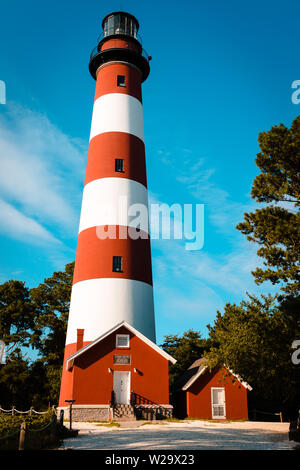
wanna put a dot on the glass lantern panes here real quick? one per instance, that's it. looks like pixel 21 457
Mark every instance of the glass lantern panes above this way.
pixel 120 23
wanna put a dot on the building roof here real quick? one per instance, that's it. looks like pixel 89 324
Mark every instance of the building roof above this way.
pixel 198 368
pixel 70 360
pixel 191 374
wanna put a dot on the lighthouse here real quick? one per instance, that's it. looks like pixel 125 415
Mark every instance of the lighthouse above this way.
pixel 112 365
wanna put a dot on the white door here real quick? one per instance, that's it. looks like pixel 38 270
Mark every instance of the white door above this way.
pixel 218 403
pixel 122 387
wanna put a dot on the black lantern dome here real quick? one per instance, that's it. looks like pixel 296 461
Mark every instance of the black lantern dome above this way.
pixel 120 25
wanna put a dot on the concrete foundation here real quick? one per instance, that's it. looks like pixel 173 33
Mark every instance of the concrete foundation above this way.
pixel 85 413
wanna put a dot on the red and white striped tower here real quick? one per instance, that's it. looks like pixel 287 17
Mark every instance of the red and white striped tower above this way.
pixel 113 276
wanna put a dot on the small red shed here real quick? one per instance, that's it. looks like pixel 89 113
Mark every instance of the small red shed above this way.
pixel 210 394
pixel 120 370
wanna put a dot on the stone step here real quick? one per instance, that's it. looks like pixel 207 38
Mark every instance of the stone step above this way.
pixel 123 412
pixel 118 413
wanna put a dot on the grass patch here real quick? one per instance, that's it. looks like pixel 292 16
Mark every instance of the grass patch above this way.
pixel 174 420
pixel 154 422
pixel 95 421
pixel 108 425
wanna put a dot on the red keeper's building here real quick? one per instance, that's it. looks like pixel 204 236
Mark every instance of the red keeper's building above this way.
pixel 119 373
pixel 210 394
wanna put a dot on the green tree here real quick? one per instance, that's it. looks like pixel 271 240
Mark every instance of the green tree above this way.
pixel 17 323
pixel 14 381
pixel 51 301
pixel 276 227
pixel 36 318
pixel 185 349
pixel 16 314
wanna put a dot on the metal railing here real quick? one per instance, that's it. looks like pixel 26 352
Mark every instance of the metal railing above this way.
pixel 137 36
pixel 96 51
pixel 136 399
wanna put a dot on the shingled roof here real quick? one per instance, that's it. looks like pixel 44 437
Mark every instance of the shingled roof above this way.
pixel 198 368
pixel 191 374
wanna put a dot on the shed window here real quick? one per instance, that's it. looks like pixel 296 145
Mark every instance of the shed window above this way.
pixel 117 264
pixel 121 80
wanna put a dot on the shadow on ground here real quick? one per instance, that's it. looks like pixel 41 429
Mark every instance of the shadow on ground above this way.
pixel 178 438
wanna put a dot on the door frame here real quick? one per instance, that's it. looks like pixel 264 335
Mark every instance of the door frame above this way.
pixel 212 403
pixel 128 374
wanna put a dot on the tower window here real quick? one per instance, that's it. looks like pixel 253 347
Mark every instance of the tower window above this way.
pixel 122 341
pixel 119 165
pixel 121 80
pixel 117 264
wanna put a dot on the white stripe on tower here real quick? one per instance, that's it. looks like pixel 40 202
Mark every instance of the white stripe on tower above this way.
pixel 117 112
pixel 100 303
pixel 106 201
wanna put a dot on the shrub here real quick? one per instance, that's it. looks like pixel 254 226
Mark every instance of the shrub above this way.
pixel 41 431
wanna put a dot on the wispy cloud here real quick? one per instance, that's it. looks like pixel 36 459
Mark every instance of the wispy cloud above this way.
pixel 20 227
pixel 191 286
pixel 195 284
pixel 231 271
pixel 223 211
pixel 41 171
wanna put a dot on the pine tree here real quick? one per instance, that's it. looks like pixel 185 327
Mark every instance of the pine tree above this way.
pixel 276 227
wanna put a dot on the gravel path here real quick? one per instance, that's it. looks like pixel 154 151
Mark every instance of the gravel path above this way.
pixel 193 435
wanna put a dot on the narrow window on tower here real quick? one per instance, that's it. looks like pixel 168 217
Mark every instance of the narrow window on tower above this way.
pixel 122 341
pixel 121 80
pixel 117 264
pixel 119 165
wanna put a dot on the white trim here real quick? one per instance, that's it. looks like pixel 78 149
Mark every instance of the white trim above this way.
pixel 70 360
pixel 200 372
pixel 117 112
pixel 242 382
pixel 194 378
pixel 216 404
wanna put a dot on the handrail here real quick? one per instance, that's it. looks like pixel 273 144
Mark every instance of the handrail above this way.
pixel 115 33
pixel 95 51
pixel 137 399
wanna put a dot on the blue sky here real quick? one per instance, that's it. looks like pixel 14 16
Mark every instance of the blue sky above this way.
pixel 221 72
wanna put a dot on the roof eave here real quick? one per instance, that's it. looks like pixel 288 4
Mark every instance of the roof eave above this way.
pixel 203 369
pixel 70 359
pixel 193 379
